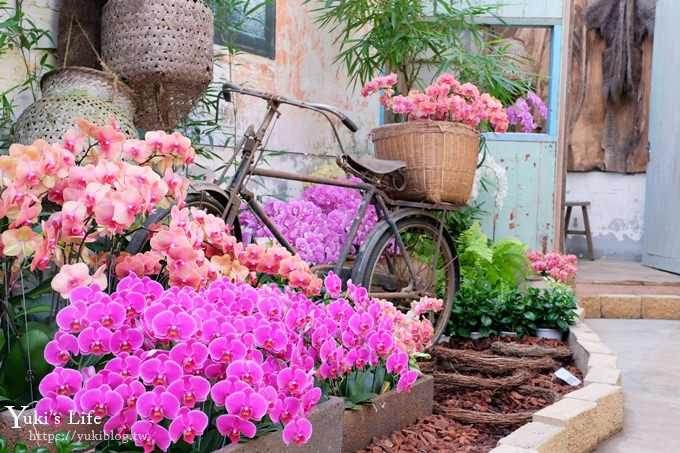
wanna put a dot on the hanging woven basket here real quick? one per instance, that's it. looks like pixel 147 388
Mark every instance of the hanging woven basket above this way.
pixel 163 50
pixel 73 92
pixel 440 157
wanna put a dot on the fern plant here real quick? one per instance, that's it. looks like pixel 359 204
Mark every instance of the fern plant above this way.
pixel 502 261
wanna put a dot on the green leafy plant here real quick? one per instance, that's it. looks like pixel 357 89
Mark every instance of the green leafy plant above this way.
pixel 555 307
pixel 504 260
pixel 22 340
pixel 63 443
pixel 408 37
pixel 19 33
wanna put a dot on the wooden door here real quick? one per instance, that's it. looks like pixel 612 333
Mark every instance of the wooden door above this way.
pixel 661 240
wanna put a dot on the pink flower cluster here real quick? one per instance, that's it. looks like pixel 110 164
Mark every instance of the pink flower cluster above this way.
pixel 101 188
pixel 250 351
pixel 198 249
pixel 444 100
pixel 553 264
pixel 317 223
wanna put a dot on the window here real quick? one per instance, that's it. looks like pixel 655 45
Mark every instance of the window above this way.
pixel 254 33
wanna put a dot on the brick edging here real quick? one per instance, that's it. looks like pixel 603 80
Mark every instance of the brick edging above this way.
pixel 584 417
pixel 631 306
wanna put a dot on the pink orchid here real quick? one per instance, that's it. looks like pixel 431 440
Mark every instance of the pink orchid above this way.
pixel 190 390
pixel 125 340
pixel 188 425
pixel 61 381
pixel 110 141
pixel 294 380
pixel 226 351
pixel 130 391
pixel 94 340
pixel 100 402
pixel 191 355
pixel 121 423
pixel 55 410
pixel 406 381
pixel 73 318
pixel 71 276
pixel 248 371
pixel 173 326
pixel 286 410
pixel 246 405
pixel 126 366
pixel 233 426
pixel 157 405
pixel 160 371
pixel 298 431
pixel 59 351
pixel 149 435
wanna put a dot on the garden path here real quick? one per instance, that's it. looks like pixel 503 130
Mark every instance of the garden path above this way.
pixel 649 358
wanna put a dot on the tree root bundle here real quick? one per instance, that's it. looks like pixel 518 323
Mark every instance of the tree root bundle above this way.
pixel 563 354
pixel 462 361
pixel 450 381
pixel 487 418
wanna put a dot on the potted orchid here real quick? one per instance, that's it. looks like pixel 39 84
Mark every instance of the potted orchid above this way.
pixel 168 367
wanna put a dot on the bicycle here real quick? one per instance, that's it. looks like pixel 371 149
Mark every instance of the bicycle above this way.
pixel 409 254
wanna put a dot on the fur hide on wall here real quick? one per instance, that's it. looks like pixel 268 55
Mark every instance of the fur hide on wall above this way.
pixel 623 24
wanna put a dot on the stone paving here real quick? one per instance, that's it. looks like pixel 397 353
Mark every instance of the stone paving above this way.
pixel 648 353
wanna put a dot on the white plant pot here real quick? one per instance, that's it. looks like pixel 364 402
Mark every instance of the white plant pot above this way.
pixel 475 335
pixel 549 333
pixel 508 334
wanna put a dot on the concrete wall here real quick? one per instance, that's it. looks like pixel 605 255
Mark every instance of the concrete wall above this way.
pixel 616 214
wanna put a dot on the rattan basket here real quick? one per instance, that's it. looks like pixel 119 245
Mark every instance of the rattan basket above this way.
pixel 163 50
pixel 73 92
pixel 440 156
pixel 78 80
pixel 50 117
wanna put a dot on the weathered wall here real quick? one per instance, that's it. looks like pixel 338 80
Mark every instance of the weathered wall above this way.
pixel 302 69
pixel 616 214
pixel 12 69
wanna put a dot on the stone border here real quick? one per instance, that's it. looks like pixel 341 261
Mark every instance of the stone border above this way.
pixel 583 418
pixel 631 306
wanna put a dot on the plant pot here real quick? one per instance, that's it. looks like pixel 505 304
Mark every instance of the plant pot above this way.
pixel 536 281
pixel 327 432
pixel 475 335
pixel 440 157
pixel 508 334
pixel 549 333
pixel 388 412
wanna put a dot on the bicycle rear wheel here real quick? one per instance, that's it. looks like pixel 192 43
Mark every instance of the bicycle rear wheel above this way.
pixel 383 271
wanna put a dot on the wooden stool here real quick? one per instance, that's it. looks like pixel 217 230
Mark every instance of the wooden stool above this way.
pixel 586 223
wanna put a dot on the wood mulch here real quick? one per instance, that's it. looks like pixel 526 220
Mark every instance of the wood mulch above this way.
pixel 483 390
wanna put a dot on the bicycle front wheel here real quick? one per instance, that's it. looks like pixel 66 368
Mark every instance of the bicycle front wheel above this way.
pixel 385 274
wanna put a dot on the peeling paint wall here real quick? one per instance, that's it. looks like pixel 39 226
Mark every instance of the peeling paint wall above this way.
pixel 616 214
pixel 303 69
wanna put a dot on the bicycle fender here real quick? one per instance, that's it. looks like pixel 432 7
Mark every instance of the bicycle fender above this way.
pixel 211 189
pixel 383 226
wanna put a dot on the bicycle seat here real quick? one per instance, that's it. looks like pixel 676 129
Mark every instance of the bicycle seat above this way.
pixel 379 167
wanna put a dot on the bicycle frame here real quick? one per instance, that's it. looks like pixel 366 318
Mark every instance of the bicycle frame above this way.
pixel 251 142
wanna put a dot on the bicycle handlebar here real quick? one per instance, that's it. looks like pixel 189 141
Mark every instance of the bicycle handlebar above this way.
pixel 235 88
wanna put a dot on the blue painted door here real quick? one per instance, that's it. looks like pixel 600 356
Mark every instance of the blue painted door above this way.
pixel 661 240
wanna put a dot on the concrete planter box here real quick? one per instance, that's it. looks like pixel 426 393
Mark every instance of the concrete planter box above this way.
pixel 327 423
pixel 389 412
pixel 34 434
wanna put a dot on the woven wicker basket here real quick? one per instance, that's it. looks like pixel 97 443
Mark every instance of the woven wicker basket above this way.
pixel 440 156
pixel 50 117
pixel 73 92
pixel 163 50
pixel 79 80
